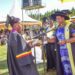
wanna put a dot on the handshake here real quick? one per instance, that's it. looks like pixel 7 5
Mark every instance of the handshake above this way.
pixel 35 42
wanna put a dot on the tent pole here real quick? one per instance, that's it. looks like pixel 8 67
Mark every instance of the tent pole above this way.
pixel 22 22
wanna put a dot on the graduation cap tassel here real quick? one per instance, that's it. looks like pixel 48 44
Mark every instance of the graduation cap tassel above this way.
pixel 7 21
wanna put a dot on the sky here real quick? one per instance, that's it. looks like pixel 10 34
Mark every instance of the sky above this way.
pixel 6 6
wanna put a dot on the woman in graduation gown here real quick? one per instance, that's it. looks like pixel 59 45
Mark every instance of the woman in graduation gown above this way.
pixel 19 55
pixel 65 45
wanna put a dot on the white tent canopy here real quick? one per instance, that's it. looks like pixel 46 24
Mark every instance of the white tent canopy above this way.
pixel 2 19
pixel 17 12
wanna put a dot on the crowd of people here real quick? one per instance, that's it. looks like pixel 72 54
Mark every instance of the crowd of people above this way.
pixel 3 36
pixel 59 45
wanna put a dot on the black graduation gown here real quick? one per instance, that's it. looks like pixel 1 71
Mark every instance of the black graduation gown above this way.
pixel 19 62
pixel 59 69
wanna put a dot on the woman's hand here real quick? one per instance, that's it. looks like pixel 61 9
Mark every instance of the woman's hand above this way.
pixel 62 42
pixel 52 40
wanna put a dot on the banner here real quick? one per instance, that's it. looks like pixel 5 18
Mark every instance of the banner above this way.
pixel 67 1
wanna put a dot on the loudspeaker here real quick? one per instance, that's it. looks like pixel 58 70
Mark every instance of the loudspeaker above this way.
pixel 36 2
pixel 25 3
pixel 29 3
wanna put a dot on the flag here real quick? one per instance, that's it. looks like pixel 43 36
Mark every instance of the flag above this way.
pixel 67 1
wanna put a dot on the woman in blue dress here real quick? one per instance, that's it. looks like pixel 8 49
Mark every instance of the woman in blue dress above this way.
pixel 65 59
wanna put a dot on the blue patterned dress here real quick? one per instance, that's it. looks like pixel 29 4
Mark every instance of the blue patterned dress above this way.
pixel 63 51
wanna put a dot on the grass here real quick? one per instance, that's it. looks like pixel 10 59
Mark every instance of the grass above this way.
pixel 3 64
